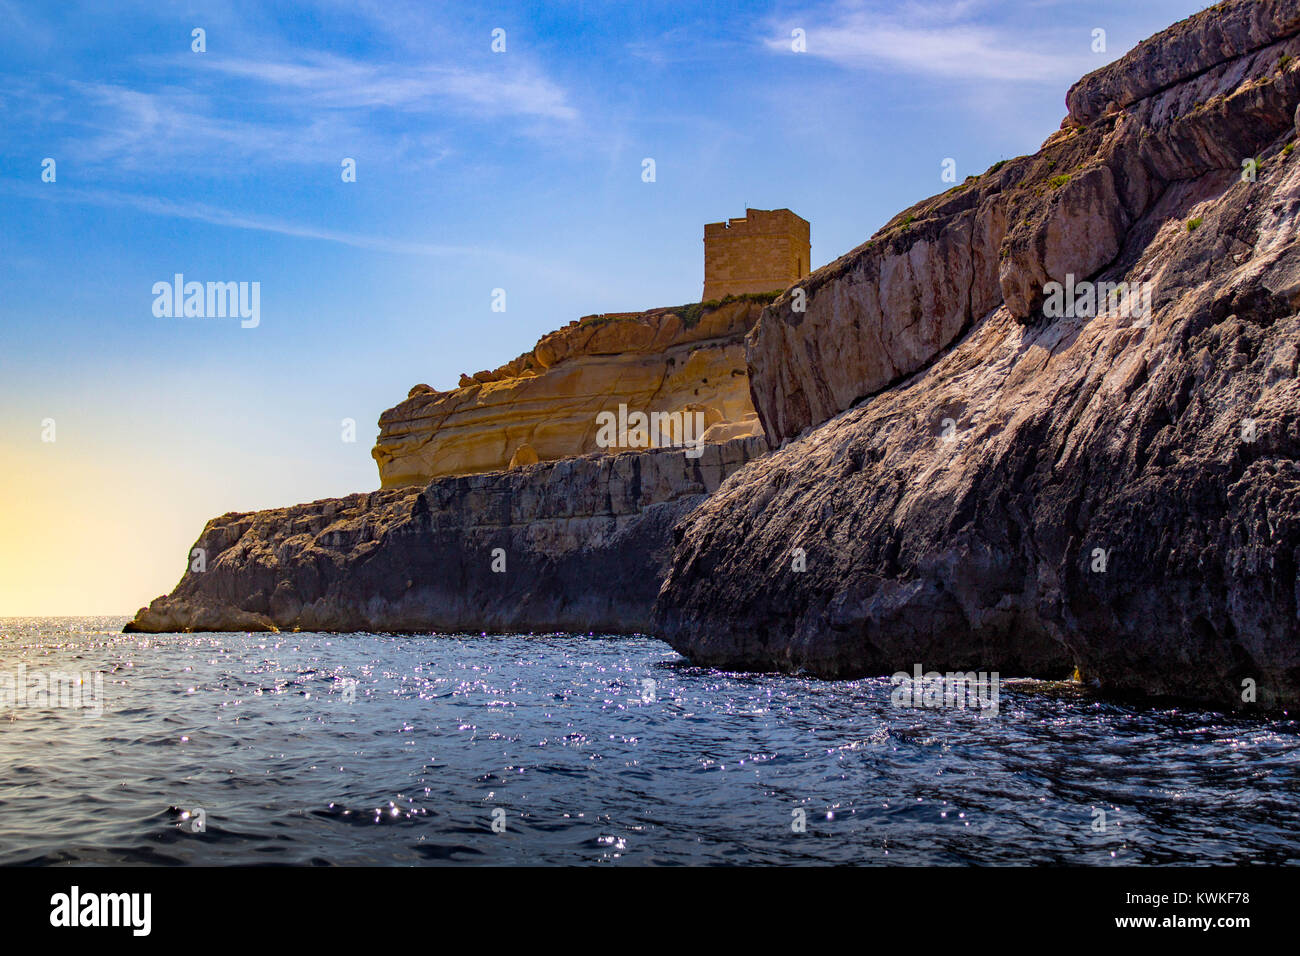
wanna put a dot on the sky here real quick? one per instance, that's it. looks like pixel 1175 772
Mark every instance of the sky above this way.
pixel 123 431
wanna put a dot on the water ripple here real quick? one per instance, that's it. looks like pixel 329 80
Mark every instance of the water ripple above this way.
pixel 315 749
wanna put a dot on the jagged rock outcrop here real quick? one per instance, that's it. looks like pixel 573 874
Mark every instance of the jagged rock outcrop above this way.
pixel 688 359
pixel 1226 32
pixel 986 483
pixel 886 309
pixel 584 543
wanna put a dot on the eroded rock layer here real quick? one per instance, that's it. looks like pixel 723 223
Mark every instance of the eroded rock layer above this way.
pixel 583 546
pixel 883 311
pixel 543 406
pixel 1002 487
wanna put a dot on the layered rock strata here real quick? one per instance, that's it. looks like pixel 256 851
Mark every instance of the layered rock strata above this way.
pixel 544 405
pixel 886 309
pixel 986 482
pixel 574 545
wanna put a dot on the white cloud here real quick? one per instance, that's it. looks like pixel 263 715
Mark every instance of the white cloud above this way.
pixel 334 82
pixel 939 40
pixel 217 216
pixel 214 215
pixel 296 108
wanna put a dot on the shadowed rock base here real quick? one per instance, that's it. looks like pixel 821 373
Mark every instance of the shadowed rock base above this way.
pixel 575 545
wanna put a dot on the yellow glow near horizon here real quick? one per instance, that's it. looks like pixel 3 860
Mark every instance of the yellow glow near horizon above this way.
pixel 81 537
pixel 83 533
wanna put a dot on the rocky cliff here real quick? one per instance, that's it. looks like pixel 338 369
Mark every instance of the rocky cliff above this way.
pixel 543 405
pixel 575 545
pixel 1044 421
pixel 987 479
pixel 1200 98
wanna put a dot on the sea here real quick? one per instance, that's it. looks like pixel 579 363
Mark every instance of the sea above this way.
pixel 382 749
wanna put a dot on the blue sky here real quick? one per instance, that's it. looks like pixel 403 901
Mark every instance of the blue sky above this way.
pixel 476 170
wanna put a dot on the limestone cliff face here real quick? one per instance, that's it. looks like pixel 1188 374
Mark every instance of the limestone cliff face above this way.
pixel 1197 99
pixel 1229 31
pixel 543 406
pixel 986 483
pixel 964 476
pixel 584 544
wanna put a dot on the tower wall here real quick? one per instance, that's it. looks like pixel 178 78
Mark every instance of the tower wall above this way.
pixel 763 251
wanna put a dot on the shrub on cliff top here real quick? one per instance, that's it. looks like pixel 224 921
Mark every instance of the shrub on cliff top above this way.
pixel 605 319
pixel 691 314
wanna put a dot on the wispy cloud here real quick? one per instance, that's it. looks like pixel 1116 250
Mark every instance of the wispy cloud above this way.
pixel 214 215
pixel 133 128
pixel 292 108
pixel 332 82
pixel 217 216
pixel 943 40
pixel 20 25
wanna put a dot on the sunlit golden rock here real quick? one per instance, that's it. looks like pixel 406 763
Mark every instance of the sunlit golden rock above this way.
pixel 684 360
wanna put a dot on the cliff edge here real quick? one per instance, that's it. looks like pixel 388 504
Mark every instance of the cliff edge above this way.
pixel 994 462
pixel 544 405
pixel 580 544
pixel 1042 422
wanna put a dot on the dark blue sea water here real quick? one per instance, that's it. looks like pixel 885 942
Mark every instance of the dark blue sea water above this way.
pixel 379 749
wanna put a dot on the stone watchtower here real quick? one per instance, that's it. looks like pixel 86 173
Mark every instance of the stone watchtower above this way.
pixel 764 251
